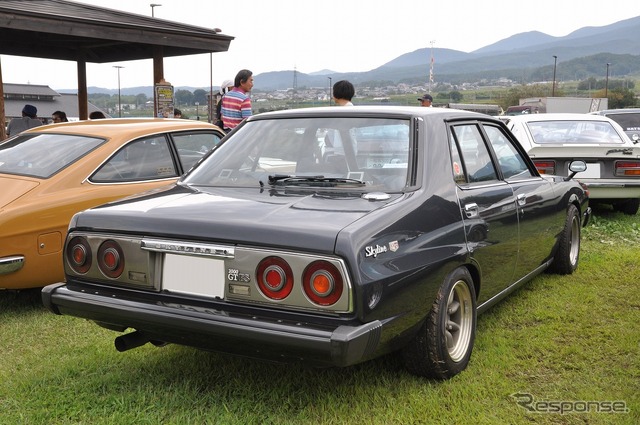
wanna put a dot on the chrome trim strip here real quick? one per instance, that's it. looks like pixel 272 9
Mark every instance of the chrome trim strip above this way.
pixel 11 264
pixel 187 248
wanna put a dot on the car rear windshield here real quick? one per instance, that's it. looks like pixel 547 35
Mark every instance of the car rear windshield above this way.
pixel 43 155
pixel 363 153
pixel 629 121
pixel 574 132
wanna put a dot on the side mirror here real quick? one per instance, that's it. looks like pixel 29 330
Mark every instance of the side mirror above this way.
pixel 576 167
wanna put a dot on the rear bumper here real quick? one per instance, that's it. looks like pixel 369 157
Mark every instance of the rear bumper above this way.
pixel 612 189
pixel 210 329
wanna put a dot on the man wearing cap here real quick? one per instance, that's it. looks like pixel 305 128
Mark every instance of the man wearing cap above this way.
pixel 425 100
pixel 28 120
pixel 225 87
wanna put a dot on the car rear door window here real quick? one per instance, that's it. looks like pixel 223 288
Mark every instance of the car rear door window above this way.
pixel 192 146
pixel 510 161
pixel 144 159
pixel 477 163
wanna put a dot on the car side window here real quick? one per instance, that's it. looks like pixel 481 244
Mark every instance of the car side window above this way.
pixel 476 159
pixel 143 159
pixel 192 146
pixel 510 161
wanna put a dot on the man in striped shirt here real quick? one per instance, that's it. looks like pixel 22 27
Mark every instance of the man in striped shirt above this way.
pixel 236 104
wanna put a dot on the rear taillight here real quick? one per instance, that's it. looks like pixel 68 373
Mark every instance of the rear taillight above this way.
pixel 546 167
pixel 322 283
pixel 111 259
pixel 275 278
pixel 79 255
pixel 627 169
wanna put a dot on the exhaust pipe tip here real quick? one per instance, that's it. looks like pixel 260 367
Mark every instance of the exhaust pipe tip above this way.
pixel 130 341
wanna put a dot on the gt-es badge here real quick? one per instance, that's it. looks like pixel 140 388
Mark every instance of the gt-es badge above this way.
pixel 234 275
pixel 373 251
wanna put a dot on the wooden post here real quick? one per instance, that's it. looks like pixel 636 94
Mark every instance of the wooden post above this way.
pixel 158 74
pixel 3 128
pixel 83 98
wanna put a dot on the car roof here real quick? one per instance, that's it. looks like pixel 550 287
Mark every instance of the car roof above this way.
pixel 558 116
pixel 373 110
pixel 114 126
pixel 618 111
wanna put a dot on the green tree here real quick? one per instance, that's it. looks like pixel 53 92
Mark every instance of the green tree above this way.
pixel 619 98
pixel 200 96
pixel 183 97
pixel 521 92
pixel 455 96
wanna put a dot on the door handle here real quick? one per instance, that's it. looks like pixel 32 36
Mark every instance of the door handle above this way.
pixel 521 199
pixel 471 210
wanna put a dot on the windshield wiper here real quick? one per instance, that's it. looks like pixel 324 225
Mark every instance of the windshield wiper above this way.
pixel 313 180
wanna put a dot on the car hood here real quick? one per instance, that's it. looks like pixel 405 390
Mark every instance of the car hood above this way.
pixel 298 220
pixel 13 188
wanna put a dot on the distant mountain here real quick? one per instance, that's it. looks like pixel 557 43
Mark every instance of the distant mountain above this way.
pixel 322 72
pixel 523 57
pixel 133 91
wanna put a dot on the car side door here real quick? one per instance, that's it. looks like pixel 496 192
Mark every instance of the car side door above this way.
pixel 539 217
pixel 488 208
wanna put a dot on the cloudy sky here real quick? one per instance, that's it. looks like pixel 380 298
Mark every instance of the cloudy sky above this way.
pixel 340 35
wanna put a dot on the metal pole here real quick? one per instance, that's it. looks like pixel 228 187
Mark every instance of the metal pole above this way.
pixel 330 91
pixel 606 83
pixel 118 67
pixel 153 6
pixel 553 89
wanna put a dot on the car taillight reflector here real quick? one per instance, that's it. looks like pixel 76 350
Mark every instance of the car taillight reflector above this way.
pixel 627 168
pixel 546 167
pixel 79 254
pixel 322 283
pixel 111 259
pixel 275 278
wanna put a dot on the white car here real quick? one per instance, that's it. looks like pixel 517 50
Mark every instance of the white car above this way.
pixel 613 160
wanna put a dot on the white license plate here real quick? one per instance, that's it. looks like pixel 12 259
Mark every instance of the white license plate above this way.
pixel 193 275
pixel 592 172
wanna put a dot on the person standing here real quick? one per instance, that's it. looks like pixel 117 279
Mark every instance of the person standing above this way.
pixel 59 116
pixel 343 92
pixel 426 100
pixel 28 120
pixel 225 87
pixel 236 104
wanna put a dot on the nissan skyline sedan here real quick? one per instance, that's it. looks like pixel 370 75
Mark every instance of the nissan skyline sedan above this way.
pixel 328 236
pixel 613 160
pixel 51 172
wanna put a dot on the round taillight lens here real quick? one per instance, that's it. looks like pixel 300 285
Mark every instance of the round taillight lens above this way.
pixel 322 283
pixel 275 278
pixel 79 254
pixel 111 259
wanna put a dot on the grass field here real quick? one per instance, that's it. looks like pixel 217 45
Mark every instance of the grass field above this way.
pixel 567 343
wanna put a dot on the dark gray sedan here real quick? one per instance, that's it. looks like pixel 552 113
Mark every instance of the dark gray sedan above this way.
pixel 328 236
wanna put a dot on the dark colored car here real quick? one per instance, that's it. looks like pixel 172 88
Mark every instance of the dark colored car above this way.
pixel 328 236
pixel 628 118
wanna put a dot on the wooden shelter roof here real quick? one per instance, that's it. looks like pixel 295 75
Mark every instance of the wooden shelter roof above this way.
pixel 73 31
pixel 68 30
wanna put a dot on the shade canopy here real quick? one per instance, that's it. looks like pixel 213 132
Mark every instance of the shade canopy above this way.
pixel 67 30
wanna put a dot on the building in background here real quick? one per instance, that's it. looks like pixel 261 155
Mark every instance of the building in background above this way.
pixel 42 97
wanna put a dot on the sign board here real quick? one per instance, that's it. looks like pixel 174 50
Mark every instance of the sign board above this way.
pixel 164 100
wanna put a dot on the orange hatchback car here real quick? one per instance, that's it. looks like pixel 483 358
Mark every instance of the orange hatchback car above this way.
pixel 49 173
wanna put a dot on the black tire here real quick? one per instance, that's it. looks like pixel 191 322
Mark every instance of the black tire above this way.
pixel 442 347
pixel 628 206
pixel 565 260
